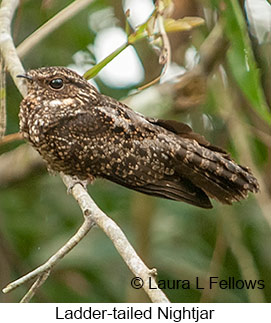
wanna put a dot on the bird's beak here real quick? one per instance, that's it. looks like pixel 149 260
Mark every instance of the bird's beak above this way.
pixel 25 76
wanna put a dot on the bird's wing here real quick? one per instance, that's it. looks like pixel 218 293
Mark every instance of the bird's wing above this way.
pixel 184 131
pixel 181 190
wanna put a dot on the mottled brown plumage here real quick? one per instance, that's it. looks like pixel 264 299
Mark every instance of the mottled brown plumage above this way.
pixel 86 134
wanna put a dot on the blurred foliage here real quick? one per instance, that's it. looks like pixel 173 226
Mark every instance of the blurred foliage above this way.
pixel 241 58
pixel 181 241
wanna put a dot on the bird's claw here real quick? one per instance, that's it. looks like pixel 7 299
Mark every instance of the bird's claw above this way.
pixel 76 180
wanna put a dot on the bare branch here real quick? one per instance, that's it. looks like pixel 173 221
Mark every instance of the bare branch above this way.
pixel 112 230
pixel 51 25
pixel 10 138
pixel 165 55
pixel 51 262
pixel 42 278
pixel 12 61
pixel 2 98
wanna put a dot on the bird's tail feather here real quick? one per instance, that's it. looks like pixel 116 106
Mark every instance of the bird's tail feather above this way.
pixel 215 173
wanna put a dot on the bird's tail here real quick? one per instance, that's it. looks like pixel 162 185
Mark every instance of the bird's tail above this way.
pixel 205 170
pixel 212 170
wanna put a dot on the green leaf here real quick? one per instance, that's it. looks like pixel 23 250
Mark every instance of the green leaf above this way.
pixel 96 69
pixel 241 58
pixel 183 24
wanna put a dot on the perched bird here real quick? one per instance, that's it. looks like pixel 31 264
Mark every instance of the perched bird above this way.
pixel 86 134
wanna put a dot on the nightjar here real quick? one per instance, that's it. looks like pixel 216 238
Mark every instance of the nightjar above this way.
pixel 86 134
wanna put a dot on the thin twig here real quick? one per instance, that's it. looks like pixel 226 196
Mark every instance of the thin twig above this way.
pixel 32 291
pixel 10 138
pixel 51 262
pixel 2 97
pixel 52 24
pixel 165 56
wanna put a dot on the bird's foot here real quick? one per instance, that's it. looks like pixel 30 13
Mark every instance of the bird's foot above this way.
pixel 76 180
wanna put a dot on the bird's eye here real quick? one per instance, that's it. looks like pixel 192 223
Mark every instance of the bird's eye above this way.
pixel 56 84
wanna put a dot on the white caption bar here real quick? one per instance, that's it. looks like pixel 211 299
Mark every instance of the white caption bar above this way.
pixel 105 312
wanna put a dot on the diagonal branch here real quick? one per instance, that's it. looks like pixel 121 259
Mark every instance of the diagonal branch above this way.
pixel 31 292
pixel 52 24
pixel 2 98
pixel 12 61
pixel 115 234
pixel 92 214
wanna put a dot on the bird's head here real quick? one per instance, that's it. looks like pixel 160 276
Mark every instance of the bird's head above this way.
pixel 56 83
